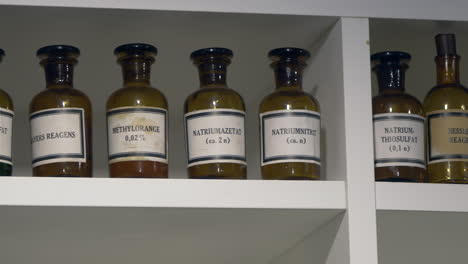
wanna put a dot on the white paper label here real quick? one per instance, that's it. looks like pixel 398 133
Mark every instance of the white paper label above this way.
pixel 290 136
pixel 399 140
pixel 215 136
pixel 6 124
pixel 137 133
pixel 58 135
pixel 447 136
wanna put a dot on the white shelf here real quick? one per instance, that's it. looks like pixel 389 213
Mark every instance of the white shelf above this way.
pixel 179 220
pixel 416 9
pixel 53 220
pixel 77 235
pixel 173 221
pixel 422 197
pixel 172 193
pixel 423 222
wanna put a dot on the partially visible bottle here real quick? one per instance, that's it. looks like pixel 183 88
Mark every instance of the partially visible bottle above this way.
pixel 447 118
pixel 60 119
pixel 6 126
pixel 214 121
pixel 290 122
pixel 398 122
pixel 137 118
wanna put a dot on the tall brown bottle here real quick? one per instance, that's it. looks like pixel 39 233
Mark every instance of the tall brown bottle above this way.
pixel 60 119
pixel 137 118
pixel 6 125
pixel 398 122
pixel 290 122
pixel 214 121
pixel 446 106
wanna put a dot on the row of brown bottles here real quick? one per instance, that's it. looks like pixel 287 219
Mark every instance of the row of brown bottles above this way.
pixel 408 133
pixel 137 122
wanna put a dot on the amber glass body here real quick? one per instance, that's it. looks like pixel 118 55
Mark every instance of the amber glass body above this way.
pixel 393 99
pixel 137 91
pixel 6 103
pixel 61 94
pixel 447 94
pixel 289 95
pixel 214 94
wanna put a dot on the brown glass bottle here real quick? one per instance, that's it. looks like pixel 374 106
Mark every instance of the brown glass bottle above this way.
pixel 60 119
pixel 214 121
pixel 398 122
pixel 137 118
pixel 6 122
pixel 290 122
pixel 446 107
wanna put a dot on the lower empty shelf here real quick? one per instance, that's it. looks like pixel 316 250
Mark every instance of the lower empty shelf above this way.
pixel 169 221
pixel 427 237
pixel 422 223
pixel 145 235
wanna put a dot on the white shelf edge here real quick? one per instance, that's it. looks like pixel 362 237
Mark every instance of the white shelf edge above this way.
pixel 177 193
pixel 421 197
pixel 402 9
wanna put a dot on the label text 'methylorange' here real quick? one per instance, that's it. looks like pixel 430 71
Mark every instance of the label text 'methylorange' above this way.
pixel 135 128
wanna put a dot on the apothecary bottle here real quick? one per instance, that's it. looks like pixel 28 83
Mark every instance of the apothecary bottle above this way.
pixel 289 122
pixel 137 120
pixel 398 120
pixel 6 126
pixel 214 121
pixel 60 118
pixel 446 107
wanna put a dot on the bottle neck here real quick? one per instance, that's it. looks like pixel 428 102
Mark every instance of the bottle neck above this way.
pixel 136 71
pixel 288 75
pixel 212 74
pixel 391 77
pixel 448 69
pixel 59 74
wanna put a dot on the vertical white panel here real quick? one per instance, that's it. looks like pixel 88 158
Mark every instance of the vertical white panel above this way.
pixel 326 72
pixel 359 143
pixel 324 79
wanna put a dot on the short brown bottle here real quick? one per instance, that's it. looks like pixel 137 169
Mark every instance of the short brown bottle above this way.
pixel 214 121
pixel 290 122
pixel 398 122
pixel 6 125
pixel 60 119
pixel 137 118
